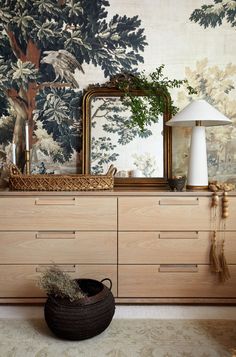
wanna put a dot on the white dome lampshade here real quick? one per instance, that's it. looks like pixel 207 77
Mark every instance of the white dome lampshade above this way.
pixel 198 114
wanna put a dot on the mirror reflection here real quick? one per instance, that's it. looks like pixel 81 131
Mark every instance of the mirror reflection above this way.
pixel 142 158
pixel 135 153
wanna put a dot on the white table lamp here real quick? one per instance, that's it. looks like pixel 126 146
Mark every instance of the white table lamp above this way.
pixel 197 115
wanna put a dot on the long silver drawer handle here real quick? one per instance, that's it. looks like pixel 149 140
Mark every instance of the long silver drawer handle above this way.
pixel 179 202
pixel 56 201
pixel 55 235
pixel 178 268
pixel 178 235
pixel 64 268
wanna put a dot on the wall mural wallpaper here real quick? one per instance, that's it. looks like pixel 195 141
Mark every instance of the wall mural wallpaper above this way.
pixel 51 50
pixel 44 44
pixel 216 84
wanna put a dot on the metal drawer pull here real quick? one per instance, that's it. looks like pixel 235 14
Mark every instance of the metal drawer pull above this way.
pixel 65 268
pixel 178 268
pixel 179 202
pixel 56 201
pixel 178 235
pixel 55 235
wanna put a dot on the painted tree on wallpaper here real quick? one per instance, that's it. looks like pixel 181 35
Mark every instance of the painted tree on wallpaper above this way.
pixel 214 14
pixel 113 132
pixel 44 44
pixel 221 140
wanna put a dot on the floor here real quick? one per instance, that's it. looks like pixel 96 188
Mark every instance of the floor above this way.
pixel 123 338
pixel 136 331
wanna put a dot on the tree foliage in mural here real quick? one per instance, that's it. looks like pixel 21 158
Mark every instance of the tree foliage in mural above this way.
pixel 102 152
pixel 214 14
pixel 217 86
pixel 44 44
pixel 115 117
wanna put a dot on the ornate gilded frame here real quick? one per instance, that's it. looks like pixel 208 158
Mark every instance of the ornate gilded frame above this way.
pixel 110 90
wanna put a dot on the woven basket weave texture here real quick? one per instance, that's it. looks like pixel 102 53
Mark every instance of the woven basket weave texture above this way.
pixel 83 319
pixel 47 182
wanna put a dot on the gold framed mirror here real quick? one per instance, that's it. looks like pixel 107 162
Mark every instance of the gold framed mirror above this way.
pixel 143 159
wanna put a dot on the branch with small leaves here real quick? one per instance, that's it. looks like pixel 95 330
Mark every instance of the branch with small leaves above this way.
pixel 145 109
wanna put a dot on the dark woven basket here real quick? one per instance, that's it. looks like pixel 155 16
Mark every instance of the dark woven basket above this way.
pixel 177 184
pixel 85 318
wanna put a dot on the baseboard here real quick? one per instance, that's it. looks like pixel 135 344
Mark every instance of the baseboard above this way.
pixel 136 312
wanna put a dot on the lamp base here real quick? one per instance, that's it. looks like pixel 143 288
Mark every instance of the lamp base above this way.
pixel 196 188
pixel 197 167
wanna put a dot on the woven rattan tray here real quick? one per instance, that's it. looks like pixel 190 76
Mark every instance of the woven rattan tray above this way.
pixel 48 182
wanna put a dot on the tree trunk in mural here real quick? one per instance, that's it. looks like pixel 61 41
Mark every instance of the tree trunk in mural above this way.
pixel 23 100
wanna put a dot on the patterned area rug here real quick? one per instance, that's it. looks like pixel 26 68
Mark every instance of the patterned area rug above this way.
pixel 123 338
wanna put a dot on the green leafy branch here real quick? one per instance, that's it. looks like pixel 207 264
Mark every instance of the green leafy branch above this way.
pixel 155 89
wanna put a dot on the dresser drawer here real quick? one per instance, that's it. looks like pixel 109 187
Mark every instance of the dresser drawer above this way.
pixel 164 247
pixel 171 247
pixel 58 213
pixel 58 247
pixel 21 280
pixel 164 213
pixel 230 245
pixel 180 282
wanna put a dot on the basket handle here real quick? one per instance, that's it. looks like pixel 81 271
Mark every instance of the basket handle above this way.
pixel 14 171
pixel 111 171
pixel 109 282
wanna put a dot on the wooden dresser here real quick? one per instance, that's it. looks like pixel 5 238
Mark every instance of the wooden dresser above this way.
pixel 154 246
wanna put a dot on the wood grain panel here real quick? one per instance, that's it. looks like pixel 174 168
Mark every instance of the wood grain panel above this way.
pixel 145 213
pixel 85 248
pixel 149 248
pixel 229 222
pixel 147 281
pixel 21 279
pixel 85 213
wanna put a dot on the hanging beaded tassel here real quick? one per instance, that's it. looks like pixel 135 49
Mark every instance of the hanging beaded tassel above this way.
pixel 215 199
pixel 213 256
pixel 214 261
pixel 225 205
pixel 224 273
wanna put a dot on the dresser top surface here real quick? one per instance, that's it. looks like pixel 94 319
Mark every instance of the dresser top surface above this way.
pixel 115 192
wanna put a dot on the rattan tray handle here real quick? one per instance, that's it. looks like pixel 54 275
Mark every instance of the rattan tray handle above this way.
pixel 111 171
pixel 14 170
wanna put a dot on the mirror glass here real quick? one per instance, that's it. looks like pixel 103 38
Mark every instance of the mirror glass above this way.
pixel 142 158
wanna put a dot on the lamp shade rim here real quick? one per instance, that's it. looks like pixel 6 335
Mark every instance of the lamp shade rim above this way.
pixel 199 111
pixel 191 123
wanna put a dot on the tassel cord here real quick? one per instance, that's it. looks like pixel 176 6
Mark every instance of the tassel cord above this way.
pixel 224 272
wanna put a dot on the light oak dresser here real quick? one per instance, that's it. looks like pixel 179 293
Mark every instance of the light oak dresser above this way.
pixel 154 246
